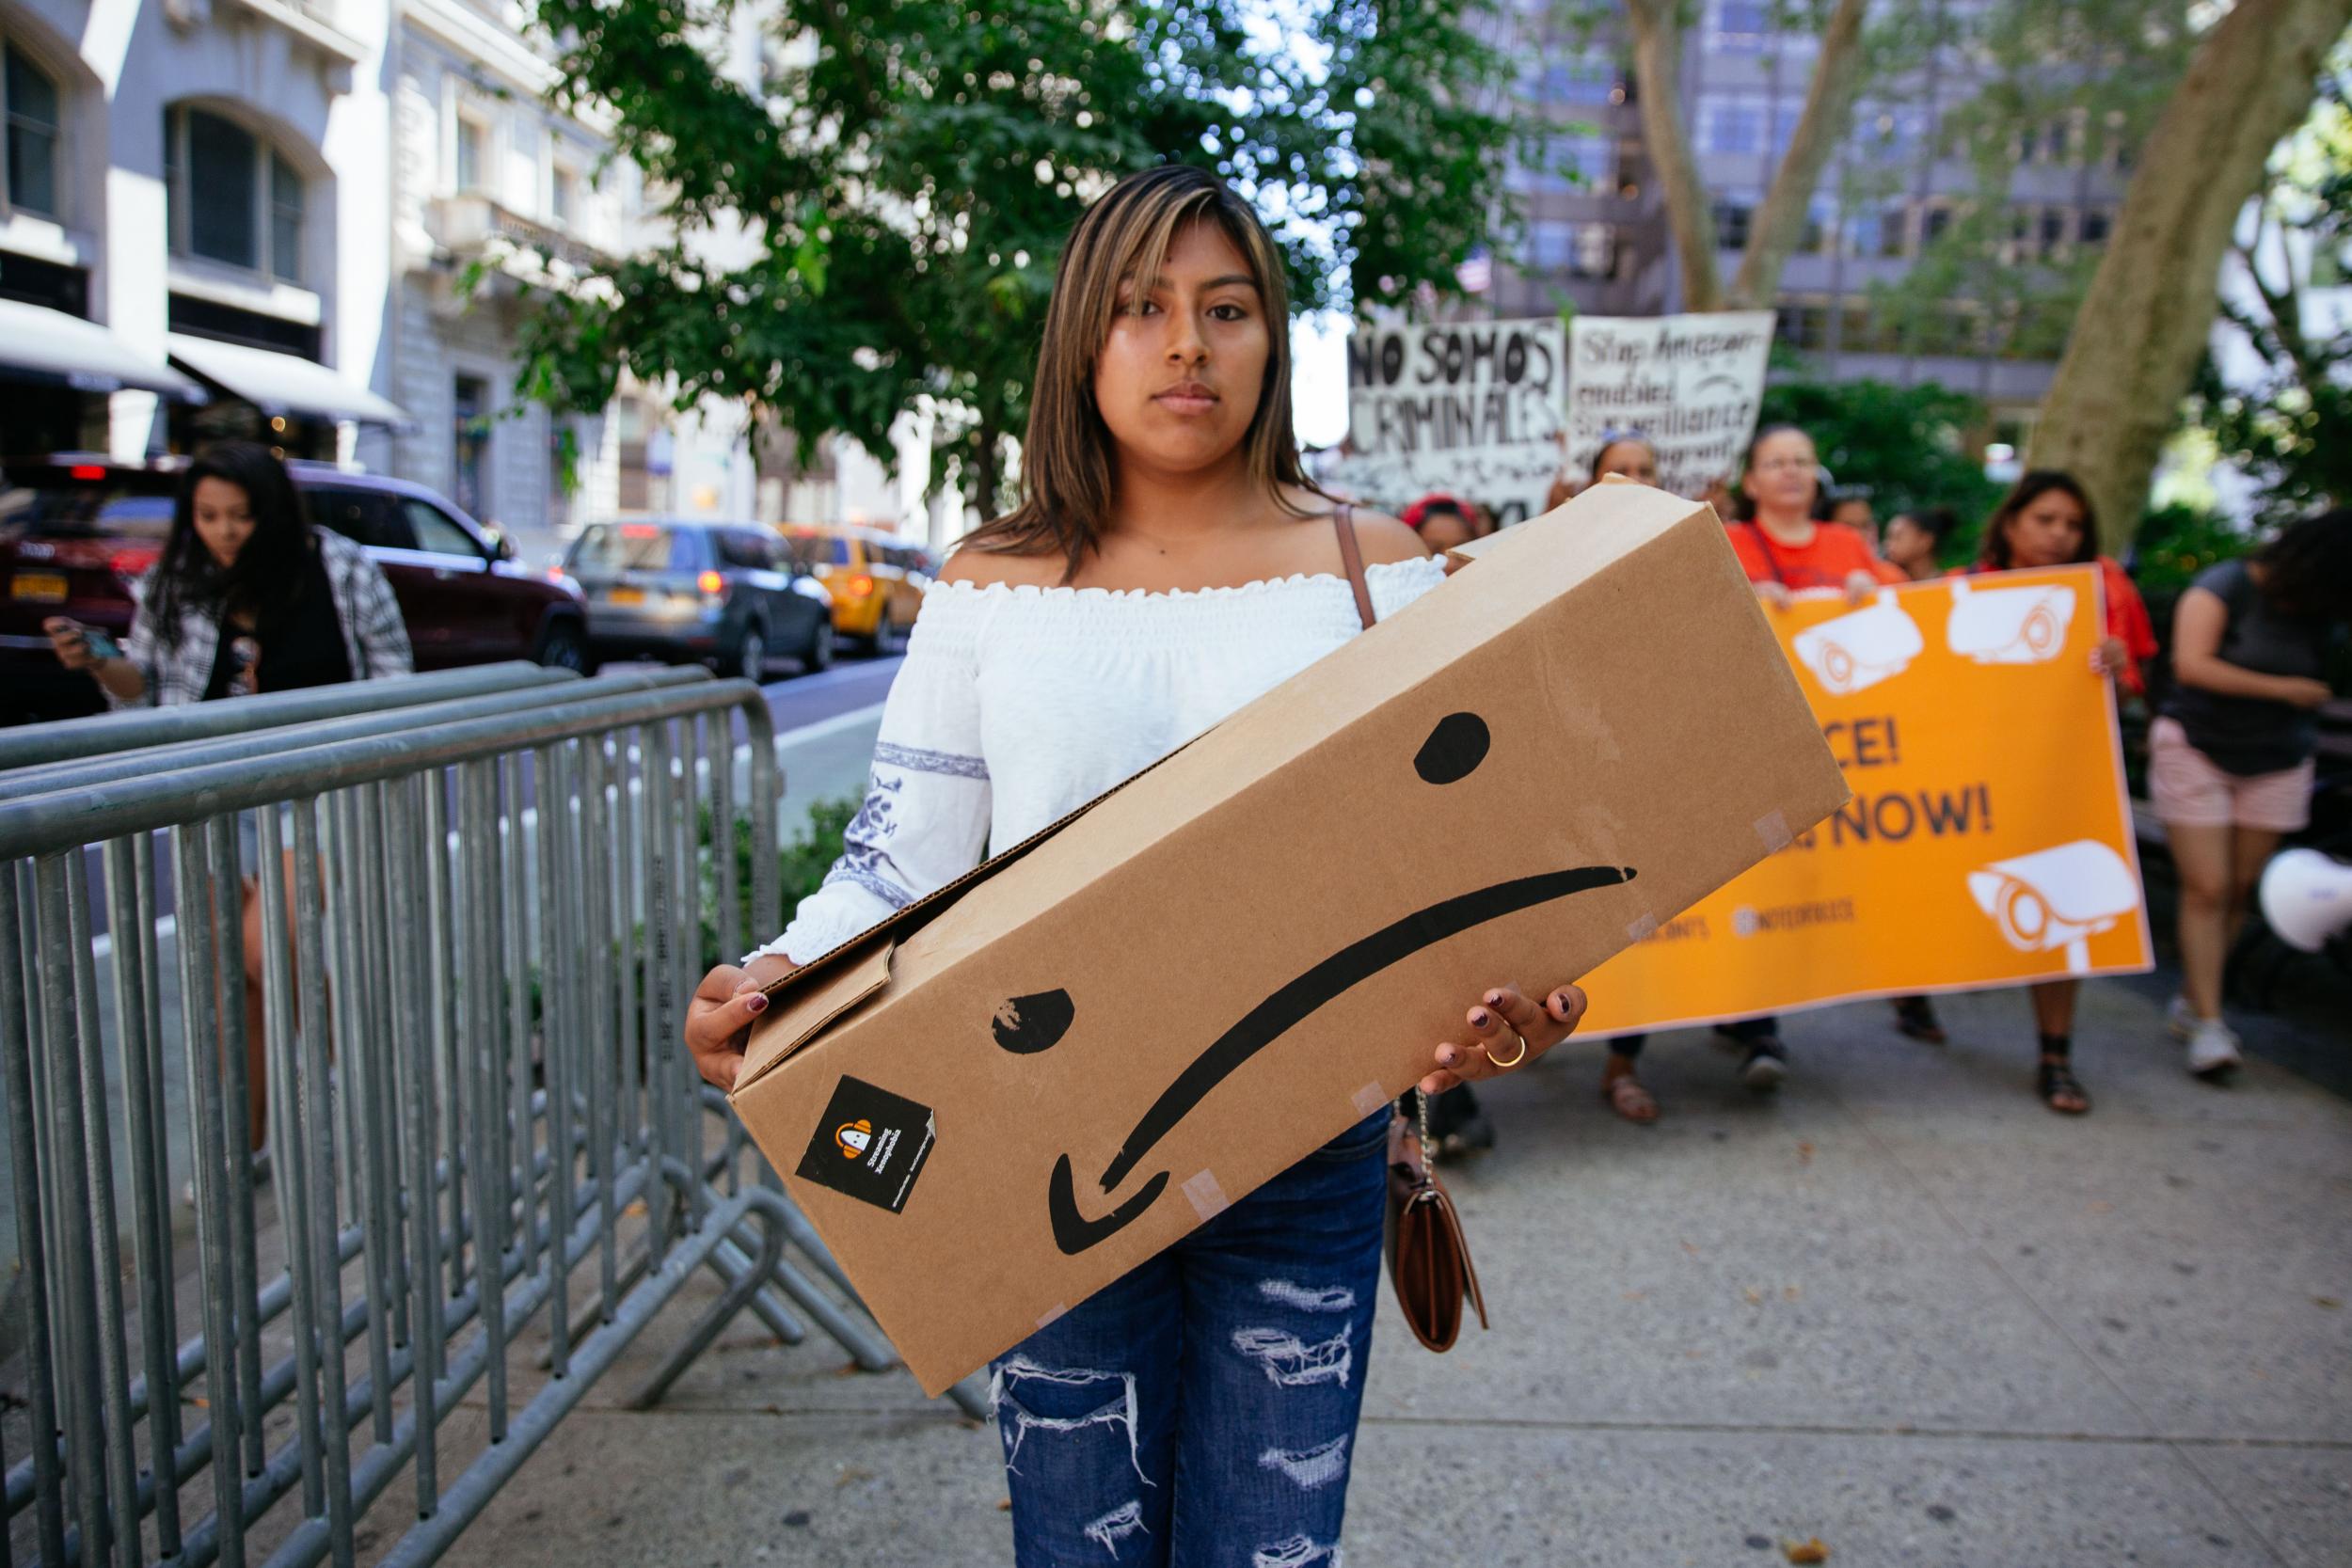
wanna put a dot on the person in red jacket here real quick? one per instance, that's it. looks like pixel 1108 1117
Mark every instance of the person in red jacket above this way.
pixel 2047 520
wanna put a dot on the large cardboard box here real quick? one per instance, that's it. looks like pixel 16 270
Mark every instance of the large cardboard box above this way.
pixel 1021 1087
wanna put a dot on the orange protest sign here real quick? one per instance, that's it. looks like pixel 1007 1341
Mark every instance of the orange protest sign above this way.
pixel 1989 839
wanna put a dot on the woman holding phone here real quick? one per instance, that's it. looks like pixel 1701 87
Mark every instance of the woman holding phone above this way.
pixel 1169 560
pixel 246 597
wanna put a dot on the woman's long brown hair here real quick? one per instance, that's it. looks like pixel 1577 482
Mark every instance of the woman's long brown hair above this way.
pixel 1068 461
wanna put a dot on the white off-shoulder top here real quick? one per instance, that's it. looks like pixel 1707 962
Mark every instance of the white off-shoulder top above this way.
pixel 1016 706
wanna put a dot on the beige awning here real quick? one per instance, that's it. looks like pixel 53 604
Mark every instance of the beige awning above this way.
pixel 48 346
pixel 282 383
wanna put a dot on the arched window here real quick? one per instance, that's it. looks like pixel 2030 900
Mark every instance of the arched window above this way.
pixel 252 211
pixel 29 103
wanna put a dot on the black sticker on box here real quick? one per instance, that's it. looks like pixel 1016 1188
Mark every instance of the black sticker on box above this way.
pixel 871 1145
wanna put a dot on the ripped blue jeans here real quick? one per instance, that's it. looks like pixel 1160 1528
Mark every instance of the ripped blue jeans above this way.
pixel 1200 1413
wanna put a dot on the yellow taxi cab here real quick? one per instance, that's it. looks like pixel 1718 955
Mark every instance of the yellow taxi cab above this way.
pixel 876 579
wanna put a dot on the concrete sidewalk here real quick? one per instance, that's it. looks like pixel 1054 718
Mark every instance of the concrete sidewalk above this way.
pixel 1901 1307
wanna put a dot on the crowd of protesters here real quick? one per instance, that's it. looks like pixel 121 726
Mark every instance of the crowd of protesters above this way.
pixel 2231 748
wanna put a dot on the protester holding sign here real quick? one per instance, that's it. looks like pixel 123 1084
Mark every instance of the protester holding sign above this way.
pixel 2230 764
pixel 2047 520
pixel 1784 550
pixel 1168 563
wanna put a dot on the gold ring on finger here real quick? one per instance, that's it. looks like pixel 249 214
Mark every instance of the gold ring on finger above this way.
pixel 1514 1061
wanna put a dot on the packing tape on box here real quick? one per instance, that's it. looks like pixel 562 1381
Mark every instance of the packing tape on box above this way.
pixel 1369 1099
pixel 1208 1198
pixel 1773 828
pixel 1641 930
pixel 1056 1310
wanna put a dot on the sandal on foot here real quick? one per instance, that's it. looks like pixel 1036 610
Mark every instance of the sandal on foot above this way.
pixel 1628 1099
pixel 2057 1080
pixel 1915 1017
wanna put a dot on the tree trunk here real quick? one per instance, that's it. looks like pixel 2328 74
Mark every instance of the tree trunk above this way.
pixel 1828 108
pixel 2150 306
pixel 1658 82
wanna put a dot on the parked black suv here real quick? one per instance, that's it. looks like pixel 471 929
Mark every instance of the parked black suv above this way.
pixel 677 589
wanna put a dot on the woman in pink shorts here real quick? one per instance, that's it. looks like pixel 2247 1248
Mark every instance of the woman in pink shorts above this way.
pixel 2230 760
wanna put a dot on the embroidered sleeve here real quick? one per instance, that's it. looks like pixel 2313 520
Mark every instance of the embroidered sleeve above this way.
pixel 925 815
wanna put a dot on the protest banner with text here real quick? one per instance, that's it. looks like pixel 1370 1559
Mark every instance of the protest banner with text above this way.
pixel 1471 408
pixel 1989 840
pixel 1691 385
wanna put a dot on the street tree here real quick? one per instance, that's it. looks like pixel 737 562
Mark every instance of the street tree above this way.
pixel 2289 424
pixel 871 223
pixel 1853 49
pixel 2150 306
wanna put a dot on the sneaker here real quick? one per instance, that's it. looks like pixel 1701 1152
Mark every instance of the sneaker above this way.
pixel 2212 1049
pixel 1767 1065
pixel 2180 1019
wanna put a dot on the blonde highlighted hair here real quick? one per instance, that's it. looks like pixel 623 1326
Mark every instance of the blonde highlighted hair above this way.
pixel 1068 461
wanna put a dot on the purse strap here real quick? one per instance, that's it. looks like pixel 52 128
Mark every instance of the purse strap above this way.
pixel 1352 557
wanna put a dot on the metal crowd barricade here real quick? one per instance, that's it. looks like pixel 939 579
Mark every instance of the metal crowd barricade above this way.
pixel 40 745
pixel 489 1155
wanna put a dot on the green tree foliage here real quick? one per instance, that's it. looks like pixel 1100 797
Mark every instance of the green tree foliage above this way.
pixel 2290 429
pixel 1906 443
pixel 877 216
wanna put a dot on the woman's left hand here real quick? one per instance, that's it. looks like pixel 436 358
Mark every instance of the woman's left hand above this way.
pixel 2110 658
pixel 1861 588
pixel 1503 1021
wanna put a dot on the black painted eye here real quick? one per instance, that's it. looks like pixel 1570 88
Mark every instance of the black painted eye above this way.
pixel 1028 1024
pixel 1453 750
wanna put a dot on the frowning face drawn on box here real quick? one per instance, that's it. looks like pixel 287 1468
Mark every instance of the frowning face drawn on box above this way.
pixel 1036 1022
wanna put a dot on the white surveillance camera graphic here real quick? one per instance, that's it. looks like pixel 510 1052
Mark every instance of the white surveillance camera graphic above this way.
pixel 1857 651
pixel 2010 625
pixel 2056 898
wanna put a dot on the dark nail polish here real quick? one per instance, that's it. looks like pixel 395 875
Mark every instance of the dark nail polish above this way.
pixel 1480 1017
pixel 758 1003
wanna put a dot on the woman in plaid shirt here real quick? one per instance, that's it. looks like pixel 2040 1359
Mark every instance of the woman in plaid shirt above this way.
pixel 246 597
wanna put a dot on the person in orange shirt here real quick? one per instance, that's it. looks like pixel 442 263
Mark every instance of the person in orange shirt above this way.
pixel 1784 550
pixel 1787 552
pixel 2047 520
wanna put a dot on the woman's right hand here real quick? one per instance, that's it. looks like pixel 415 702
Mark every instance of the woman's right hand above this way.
pixel 71 644
pixel 1775 594
pixel 2298 691
pixel 718 1022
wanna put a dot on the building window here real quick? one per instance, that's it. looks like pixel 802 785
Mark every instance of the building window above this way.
pixel 1731 225
pixel 1933 223
pixel 251 212
pixel 469 418
pixel 1741 24
pixel 1595 253
pixel 1550 245
pixel 473 140
pixel 1737 128
pixel 1585 81
pixel 31 108
pixel 2098 223
pixel 1570 162
pixel 2053 234
pixel 564 194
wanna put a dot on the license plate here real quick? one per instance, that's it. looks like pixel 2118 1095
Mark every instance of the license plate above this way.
pixel 627 596
pixel 40 587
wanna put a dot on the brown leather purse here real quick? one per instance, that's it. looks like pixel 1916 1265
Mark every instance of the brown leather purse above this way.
pixel 1429 1261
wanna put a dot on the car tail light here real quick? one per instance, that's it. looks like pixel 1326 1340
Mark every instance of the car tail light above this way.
pixel 711 583
pixel 860 586
pixel 86 471
pixel 130 565
pixel 641 530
